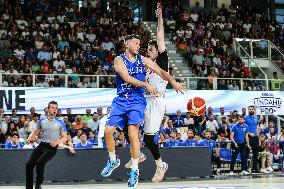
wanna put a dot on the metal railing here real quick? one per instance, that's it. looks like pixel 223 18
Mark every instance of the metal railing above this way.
pixel 108 81
pixel 249 56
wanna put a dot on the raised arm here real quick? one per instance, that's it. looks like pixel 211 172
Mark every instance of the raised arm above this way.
pixel 160 29
pixel 164 75
pixel 121 69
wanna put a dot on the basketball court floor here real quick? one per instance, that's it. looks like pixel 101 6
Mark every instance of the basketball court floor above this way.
pixel 261 182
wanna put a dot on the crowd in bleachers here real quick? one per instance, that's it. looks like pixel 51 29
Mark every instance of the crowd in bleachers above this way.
pixel 205 38
pixel 58 37
pixel 211 130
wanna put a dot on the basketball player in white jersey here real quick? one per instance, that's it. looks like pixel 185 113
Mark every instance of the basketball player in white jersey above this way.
pixel 155 108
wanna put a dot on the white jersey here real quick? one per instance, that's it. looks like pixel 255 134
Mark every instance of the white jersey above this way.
pixel 156 81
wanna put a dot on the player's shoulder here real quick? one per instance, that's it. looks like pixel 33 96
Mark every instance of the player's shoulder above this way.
pixel 59 120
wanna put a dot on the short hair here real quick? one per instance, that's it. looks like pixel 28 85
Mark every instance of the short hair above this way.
pixel 15 134
pixel 154 43
pixel 241 116
pixel 133 36
pixel 52 102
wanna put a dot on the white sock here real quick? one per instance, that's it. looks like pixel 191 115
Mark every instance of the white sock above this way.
pixel 218 170
pixel 112 156
pixel 134 164
pixel 159 162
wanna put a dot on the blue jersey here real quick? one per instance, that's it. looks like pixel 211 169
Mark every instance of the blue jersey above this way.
pixel 239 132
pixel 189 142
pixel 87 145
pixel 135 69
pixel 252 123
pixel 10 145
pixel 211 143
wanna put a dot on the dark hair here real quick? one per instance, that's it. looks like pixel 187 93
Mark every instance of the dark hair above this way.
pixel 95 113
pixel 153 42
pixel 241 116
pixel 15 134
pixel 252 106
pixel 133 36
pixel 52 102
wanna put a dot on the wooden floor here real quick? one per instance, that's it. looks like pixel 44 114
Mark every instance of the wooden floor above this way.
pixel 244 182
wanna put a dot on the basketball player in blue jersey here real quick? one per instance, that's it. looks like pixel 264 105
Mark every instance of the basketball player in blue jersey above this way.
pixel 156 106
pixel 129 106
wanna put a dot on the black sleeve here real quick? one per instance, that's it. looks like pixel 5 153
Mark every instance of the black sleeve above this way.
pixel 162 61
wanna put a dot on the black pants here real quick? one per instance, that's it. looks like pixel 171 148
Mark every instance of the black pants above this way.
pixel 39 157
pixel 235 151
pixel 217 160
pixel 152 146
pixel 254 143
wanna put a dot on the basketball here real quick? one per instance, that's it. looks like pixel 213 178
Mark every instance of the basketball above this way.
pixel 196 106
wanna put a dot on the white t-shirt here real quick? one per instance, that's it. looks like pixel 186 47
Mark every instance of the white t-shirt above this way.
pixel 58 65
pixel 188 121
pixel 212 125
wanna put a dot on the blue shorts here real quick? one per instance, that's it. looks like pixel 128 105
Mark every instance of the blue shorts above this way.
pixel 127 110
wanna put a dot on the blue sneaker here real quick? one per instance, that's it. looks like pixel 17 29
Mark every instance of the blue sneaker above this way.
pixel 111 165
pixel 133 177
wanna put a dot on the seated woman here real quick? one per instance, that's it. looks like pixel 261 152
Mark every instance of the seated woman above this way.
pixel 263 154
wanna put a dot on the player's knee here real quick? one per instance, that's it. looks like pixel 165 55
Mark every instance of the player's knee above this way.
pixel 133 136
pixel 149 140
pixel 109 131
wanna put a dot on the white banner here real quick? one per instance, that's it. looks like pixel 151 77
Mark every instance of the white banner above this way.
pixel 78 99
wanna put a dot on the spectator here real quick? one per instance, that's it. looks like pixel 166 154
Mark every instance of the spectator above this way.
pixel 71 117
pixel 222 115
pixel 87 117
pixel 43 54
pixel 66 123
pixel 14 143
pixel 24 131
pixel 92 139
pixel 274 155
pixel 94 123
pixel 188 121
pixel 178 120
pixel 14 117
pixel 83 143
pixel 223 135
pixel 263 154
pixel 213 150
pixel 68 144
pixel 172 141
pixel 190 141
pixel 78 121
pixel 170 127
pixel 212 125
pixel 2 137
pixel 58 64
pixel 107 44
pixel 275 82
pixel 100 112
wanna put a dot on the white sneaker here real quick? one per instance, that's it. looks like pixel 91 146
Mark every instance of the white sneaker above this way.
pixel 244 172
pixel 269 169
pixel 231 173
pixel 249 170
pixel 160 172
pixel 141 157
pixel 263 171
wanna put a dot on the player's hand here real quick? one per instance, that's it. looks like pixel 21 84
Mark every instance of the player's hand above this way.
pixel 179 87
pixel 249 147
pixel 30 140
pixel 54 143
pixel 152 90
pixel 236 145
pixel 159 10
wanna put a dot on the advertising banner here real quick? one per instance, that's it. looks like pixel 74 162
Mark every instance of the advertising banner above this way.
pixel 79 99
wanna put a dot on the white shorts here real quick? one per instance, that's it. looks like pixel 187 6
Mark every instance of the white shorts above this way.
pixel 154 113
